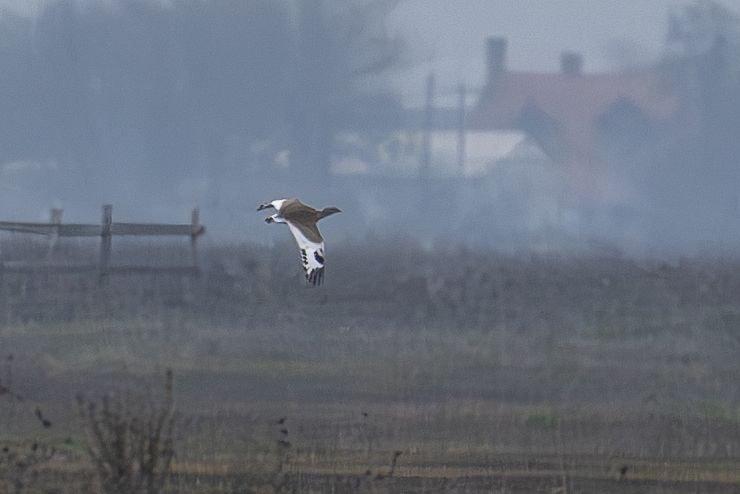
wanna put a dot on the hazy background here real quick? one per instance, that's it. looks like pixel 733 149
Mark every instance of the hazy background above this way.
pixel 158 106
pixel 556 312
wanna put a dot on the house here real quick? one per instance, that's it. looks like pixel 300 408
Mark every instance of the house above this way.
pixel 562 151
pixel 398 154
pixel 504 171
pixel 587 123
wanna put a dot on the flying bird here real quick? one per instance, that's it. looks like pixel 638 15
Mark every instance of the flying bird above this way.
pixel 302 219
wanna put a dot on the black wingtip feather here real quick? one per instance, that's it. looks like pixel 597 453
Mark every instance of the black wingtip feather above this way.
pixel 315 277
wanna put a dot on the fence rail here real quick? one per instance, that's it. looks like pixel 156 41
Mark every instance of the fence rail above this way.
pixel 106 230
pixel 80 230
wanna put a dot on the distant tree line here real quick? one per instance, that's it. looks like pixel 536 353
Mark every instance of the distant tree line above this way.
pixel 700 172
pixel 149 90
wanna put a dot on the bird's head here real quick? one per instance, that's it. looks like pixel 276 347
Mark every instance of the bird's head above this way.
pixel 329 211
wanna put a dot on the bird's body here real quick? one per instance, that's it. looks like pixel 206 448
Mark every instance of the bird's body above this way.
pixel 302 219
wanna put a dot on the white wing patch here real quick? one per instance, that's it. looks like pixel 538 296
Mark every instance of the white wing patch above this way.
pixel 312 256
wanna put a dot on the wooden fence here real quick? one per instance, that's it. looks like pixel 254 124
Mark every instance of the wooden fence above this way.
pixel 106 230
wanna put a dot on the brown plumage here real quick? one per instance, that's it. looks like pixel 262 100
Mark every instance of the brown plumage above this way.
pixel 304 217
pixel 302 220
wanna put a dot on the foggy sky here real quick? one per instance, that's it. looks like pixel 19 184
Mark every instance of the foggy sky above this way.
pixel 447 36
pixel 538 29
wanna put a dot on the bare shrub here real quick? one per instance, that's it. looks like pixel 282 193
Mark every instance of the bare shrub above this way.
pixel 18 466
pixel 130 440
pixel 280 480
pixel 19 462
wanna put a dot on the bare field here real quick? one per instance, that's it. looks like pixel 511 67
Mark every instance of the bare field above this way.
pixel 412 370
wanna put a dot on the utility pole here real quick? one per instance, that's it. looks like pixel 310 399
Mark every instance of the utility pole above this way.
pixel 426 143
pixel 462 96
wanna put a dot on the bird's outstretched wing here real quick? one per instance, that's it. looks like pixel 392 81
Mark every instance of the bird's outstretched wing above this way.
pixel 312 254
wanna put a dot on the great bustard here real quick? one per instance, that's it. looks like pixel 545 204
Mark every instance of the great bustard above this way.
pixel 302 219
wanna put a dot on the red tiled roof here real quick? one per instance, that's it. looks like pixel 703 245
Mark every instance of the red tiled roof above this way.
pixel 574 97
pixel 574 103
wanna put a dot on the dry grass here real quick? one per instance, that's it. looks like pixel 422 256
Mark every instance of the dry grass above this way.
pixel 489 373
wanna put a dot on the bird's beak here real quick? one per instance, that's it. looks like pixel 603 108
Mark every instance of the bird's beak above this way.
pixel 263 206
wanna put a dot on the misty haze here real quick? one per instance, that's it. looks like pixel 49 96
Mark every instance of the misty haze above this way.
pixel 526 277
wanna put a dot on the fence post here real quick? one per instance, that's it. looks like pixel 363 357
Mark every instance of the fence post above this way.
pixel 105 241
pixel 195 232
pixel 55 218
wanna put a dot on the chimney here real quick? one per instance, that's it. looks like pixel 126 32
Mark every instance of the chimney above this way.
pixel 571 63
pixel 495 57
